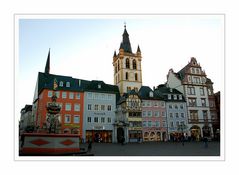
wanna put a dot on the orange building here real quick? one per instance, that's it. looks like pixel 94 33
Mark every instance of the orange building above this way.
pixel 70 97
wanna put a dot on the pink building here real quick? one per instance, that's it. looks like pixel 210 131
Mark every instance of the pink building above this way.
pixel 153 115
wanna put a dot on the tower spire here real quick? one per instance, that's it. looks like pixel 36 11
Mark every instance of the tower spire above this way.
pixel 47 67
pixel 125 44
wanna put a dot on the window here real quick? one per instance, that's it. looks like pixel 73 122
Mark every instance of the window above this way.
pixel 149 123
pixel 192 102
pixel 205 117
pixel 163 113
pixel 109 120
pixel 202 91
pixel 148 103
pixel 89 119
pixel 169 96
pixel 177 123
pixel 211 103
pixel 136 76
pixel 176 106
pixel 162 104
pixel 127 63
pixel 96 119
pixel 170 107
pixel 181 106
pixel 96 107
pixel 176 115
pixel 68 107
pixel 71 95
pixel 61 84
pixel 76 119
pixel 102 119
pixel 126 76
pixel 191 91
pixel 193 116
pixel 77 95
pixel 102 107
pixel 99 86
pixel 182 115
pixel 164 124
pixel 149 113
pixel 189 79
pixel 134 64
pixel 157 123
pixel 144 114
pixel 193 70
pixel 89 95
pixel 116 68
pixel 155 103
pixel 180 97
pixel 156 113
pixel 203 101
pixel 50 93
pixel 144 124
pixel 171 115
pixel 67 118
pixel 118 65
pixel 89 107
pixel 197 71
pixel 197 80
pixel 67 84
pixel 151 94
pixel 76 107
pixel 171 124
pixel 109 107
pixel 175 97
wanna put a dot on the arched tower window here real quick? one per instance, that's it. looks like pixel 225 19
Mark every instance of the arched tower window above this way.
pixel 136 76
pixel 127 63
pixel 115 68
pixel 134 64
pixel 118 65
pixel 126 76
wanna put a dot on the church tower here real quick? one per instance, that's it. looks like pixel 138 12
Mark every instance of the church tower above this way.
pixel 127 66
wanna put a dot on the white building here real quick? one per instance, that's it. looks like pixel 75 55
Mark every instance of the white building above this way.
pixel 191 81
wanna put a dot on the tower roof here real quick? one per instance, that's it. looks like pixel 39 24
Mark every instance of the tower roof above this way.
pixel 125 44
pixel 47 67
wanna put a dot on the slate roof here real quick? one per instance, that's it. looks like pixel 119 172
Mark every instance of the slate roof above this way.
pixel 125 44
pixel 45 81
pixel 145 91
pixel 163 91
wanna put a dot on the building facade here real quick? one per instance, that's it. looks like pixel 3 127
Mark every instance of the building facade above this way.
pixel 191 81
pixel 176 112
pixel 26 121
pixel 153 115
pixel 99 112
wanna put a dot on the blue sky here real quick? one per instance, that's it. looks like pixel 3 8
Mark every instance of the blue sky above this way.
pixel 83 46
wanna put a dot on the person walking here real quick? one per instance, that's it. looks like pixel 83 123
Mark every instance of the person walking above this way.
pixel 89 146
pixel 205 140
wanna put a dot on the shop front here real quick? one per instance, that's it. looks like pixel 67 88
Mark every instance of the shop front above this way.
pixel 100 136
pixel 195 133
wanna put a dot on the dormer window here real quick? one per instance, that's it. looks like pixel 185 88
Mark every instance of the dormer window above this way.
pixel 175 97
pixel 99 86
pixel 67 84
pixel 61 84
pixel 169 96
pixel 151 94
pixel 180 97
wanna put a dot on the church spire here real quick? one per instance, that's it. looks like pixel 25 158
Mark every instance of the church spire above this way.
pixel 47 67
pixel 125 44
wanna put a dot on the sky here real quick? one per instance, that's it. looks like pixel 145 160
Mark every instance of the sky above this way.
pixel 83 47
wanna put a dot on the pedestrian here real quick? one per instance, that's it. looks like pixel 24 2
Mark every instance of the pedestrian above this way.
pixel 205 140
pixel 89 146
pixel 22 139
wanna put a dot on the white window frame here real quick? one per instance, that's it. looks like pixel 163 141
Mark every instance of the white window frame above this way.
pixel 76 107
pixel 66 107
pixel 64 95
pixel 67 116
pixel 50 94
pixel 75 116
pixel 77 95
pixel 71 95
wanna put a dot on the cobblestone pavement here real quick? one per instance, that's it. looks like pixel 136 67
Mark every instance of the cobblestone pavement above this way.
pixel 156 149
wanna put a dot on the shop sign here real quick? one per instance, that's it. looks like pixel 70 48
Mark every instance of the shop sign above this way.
pixel 98 127
pixel 135 128
pixel 99 113
pixel 72 125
